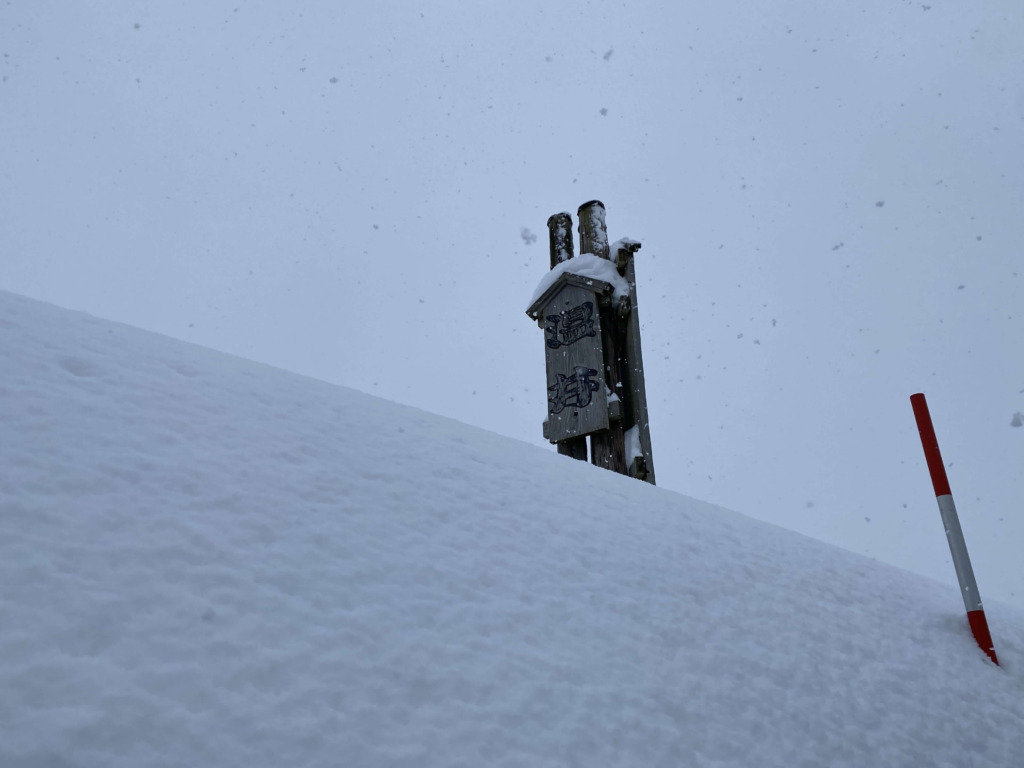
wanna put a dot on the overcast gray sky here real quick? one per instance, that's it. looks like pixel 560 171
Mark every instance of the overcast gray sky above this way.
pixel 829 198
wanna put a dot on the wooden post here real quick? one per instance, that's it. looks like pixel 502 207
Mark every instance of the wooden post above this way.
pixel 560 241
pixel 593 231
pixel 607 447
pixel 636 414
pixel 560 238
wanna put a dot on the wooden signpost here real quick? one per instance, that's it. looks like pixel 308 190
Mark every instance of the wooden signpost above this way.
pixel 574 357
pixel 592 352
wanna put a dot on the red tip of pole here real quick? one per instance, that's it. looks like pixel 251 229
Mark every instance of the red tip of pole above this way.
pixel 931 445
pixel 979 626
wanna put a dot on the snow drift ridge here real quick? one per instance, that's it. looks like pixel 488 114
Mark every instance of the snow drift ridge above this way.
pixel 206 561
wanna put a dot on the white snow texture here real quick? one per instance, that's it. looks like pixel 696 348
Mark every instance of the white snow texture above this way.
pixel 585 265
pixel 209 562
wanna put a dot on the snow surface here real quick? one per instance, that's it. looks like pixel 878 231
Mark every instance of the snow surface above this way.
pixel 621 243
pixel 209 562
pixel 634 450
pixel 585 265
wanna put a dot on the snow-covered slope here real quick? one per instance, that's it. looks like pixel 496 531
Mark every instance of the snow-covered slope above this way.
pixel 208 562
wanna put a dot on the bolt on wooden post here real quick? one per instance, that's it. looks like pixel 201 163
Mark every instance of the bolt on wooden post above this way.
pixel 592 348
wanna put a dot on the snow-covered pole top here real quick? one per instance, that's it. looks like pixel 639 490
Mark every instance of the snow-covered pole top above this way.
pixel 560 238
pixel 593 231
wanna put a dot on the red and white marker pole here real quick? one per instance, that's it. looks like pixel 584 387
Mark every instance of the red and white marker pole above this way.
pixel 954 534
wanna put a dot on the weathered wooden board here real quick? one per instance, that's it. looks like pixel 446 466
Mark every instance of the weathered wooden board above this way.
pixel 574 357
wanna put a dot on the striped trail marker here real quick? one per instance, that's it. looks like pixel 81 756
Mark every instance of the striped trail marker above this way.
pixel 954 534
